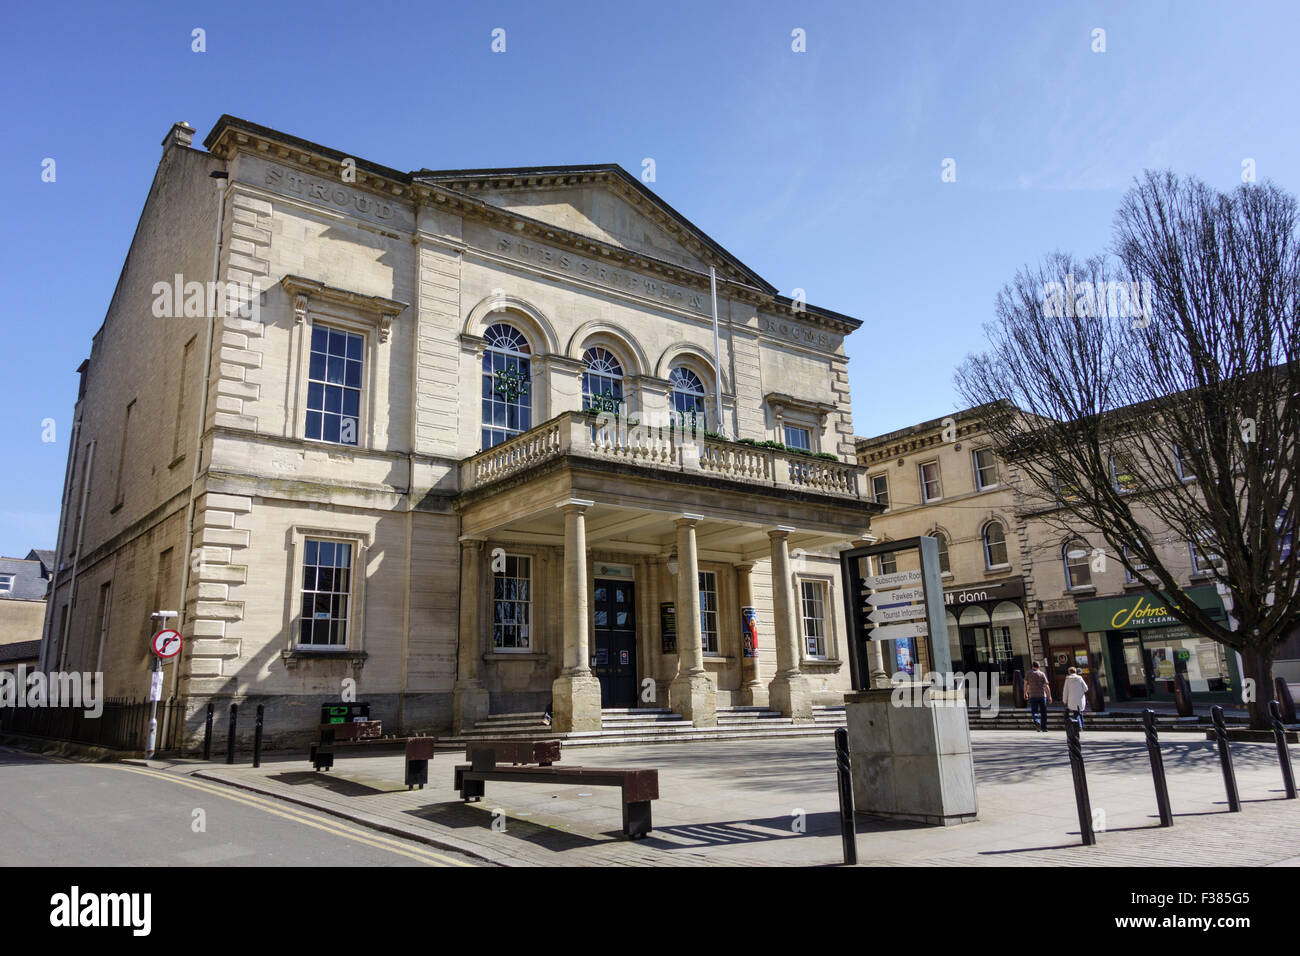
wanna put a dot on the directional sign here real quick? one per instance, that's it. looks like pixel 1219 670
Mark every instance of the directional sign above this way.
pixel 899 632
pixel 897 579
pixel 167 644
pixel 897 596
pixel 902 612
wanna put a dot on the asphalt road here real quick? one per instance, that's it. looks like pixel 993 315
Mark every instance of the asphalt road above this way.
pixel 56 812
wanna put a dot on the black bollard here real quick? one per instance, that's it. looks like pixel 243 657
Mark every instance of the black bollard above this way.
pixel 257 736
pixel 1225 758
pixel 1283 755
pixel 207 734
pixel 1157 768
pixel 1080 781
pixel 842 765
pixel 230 734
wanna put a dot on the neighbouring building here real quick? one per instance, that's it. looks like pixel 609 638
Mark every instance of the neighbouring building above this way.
pixel 23 586
pixel 941 478
pixel 381 462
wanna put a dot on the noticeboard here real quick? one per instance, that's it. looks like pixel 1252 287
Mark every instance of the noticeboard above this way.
pixel 668 627
pixel 344 712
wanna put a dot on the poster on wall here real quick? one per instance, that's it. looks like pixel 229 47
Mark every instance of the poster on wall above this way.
pixel 905 656
pixel 749 631
pixel 668 627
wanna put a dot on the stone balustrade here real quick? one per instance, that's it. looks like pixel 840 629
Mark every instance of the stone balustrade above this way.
pixel 576 433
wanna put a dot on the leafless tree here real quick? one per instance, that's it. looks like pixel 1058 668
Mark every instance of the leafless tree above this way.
pixel 1152 393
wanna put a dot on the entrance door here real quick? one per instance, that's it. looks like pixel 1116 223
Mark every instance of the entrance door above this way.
pixel 1066 649
pixel 613 652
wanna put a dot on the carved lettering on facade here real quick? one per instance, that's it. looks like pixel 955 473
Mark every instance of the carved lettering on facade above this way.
pixel 589 269
pixel 793 331
pixel 294 183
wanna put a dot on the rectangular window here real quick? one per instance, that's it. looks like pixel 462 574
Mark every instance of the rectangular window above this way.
pixel 814 617
pixel 512 605
pixel 334 386
pixel 880 489
pixel 1184 470
pixel 326 589
pixel 796 437
pixel 930 490
pixel 6 583
pixel 888 562
pixel 709 612
pixel 119 492
pixel 1129 576
pixel 187 372
pixel 1204 556
pixel 986 472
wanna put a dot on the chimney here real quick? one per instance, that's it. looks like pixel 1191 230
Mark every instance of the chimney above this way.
pixel 181 134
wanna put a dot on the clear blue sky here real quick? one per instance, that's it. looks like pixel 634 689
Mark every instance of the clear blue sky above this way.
pixel 820 170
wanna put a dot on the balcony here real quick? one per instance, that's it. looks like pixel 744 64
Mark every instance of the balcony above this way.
pixel 660 449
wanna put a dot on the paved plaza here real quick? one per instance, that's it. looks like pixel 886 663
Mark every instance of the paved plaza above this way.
pixel 774 802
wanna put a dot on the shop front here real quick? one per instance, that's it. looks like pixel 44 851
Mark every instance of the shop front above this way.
pixel 1145 648
pixel 987 631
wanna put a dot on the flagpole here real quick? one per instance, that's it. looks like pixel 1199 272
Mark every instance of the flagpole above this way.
pixel 717 356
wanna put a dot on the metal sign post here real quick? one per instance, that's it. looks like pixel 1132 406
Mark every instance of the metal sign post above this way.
pixel 165 644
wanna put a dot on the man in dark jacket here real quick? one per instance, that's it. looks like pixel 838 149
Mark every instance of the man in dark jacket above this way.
pixel 1038 691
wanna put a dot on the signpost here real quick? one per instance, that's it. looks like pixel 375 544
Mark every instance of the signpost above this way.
pixel 165 644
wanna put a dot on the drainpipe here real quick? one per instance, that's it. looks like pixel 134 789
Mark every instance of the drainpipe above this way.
pixel 220 175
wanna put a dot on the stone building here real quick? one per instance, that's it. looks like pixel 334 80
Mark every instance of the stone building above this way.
pixel 1021 583
pixel 24 583
pixel 365 453
pixel 942 478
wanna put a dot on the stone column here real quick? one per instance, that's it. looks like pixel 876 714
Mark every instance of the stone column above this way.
pixel 470 699
pixel 875 654
pixel 691 693
pixel 575 694
pixel 752 691
pixel 788 692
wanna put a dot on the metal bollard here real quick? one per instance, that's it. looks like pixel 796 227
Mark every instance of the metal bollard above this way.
pixel 1283 755
pixel 207 734
pixel 1157 768
pixel 848 833
pixel 257 736
pixel 230 734
pixel 1225 758
pixel 1080 781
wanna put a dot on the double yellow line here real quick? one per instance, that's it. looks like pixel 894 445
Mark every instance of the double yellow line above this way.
pixel 369 838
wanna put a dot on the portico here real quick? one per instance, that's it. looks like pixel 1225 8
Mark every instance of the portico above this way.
pixel 694 546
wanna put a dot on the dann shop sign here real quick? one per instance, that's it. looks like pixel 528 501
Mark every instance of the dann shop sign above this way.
pixel 1137 611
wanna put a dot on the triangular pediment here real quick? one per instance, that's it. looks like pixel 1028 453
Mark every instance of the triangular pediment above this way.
pixel 604 203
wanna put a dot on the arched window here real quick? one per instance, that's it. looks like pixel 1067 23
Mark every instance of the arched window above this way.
pixel 602 381
pixel 507 384
pixel 995 545
pixel 1077 572
pixel 688 398
pixel 942 540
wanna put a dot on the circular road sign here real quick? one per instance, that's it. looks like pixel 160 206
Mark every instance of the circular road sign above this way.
pixel 167 644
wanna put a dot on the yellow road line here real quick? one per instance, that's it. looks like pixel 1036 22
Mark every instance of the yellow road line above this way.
pixel 265 804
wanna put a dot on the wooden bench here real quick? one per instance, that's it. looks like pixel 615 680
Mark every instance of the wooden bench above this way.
pixel 638 786
pixel 419 750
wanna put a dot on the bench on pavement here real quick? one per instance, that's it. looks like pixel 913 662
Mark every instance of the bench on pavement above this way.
pixel 501 761
pixel 419 750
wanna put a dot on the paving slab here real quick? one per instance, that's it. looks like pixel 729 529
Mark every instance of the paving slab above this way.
pixel 773 802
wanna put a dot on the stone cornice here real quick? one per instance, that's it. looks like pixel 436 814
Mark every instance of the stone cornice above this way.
pixel 304 290
pixel 231 136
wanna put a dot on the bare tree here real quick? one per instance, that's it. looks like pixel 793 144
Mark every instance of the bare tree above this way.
pixel 1152 393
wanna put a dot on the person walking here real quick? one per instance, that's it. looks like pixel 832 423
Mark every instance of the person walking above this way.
pixel 1074 695
pixel 1038 691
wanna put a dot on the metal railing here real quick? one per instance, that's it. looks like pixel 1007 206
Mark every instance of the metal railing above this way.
pixel 122 725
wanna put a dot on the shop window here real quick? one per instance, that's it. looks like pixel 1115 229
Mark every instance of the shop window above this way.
pixel 709 612
pixel 995 546
pixel 512 605
pixel 879 489
pixel 326 593
pixel 1078 573
pixel 507 384
pixel 986 472
pixel 930 488
pixel 813 594
pixel 334 386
